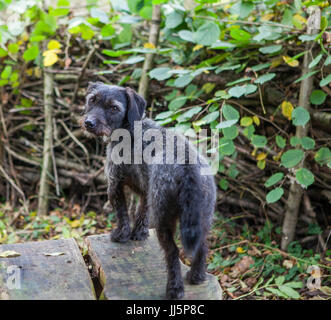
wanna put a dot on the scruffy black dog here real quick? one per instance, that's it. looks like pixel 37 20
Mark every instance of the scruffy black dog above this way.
pixel 169 192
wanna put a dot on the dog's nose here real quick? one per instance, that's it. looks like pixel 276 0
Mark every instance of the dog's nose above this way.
pixel 89 124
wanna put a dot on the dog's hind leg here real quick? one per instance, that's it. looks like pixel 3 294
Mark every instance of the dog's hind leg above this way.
pixel 122 232
pixel 165 232
pixel 197 273
pixel 140 228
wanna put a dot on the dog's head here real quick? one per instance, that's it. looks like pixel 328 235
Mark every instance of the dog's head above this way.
pixel 111 107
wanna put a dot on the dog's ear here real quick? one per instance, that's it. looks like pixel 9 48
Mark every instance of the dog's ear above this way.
pixel 92 86
pixel 136 106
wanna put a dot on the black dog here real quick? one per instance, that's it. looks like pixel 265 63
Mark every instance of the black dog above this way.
pixel 169 192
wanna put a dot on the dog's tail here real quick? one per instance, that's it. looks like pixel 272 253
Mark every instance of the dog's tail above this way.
pixel 190 198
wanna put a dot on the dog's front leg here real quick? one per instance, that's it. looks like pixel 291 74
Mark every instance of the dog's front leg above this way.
pixel 117 199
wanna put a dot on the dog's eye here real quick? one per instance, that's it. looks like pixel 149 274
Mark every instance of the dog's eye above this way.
pixel 114 108
pixel 92 99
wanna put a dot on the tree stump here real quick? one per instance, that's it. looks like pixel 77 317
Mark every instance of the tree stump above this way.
pixel 136 271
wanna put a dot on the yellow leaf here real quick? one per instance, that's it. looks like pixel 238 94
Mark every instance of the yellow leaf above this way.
pixel 287 109
pixel 292 63
pixel 246 121
pixel 267 17
pixel 50 57
pixel 240 250
pixel 277 157
pixel 256 120
pixel 75 223
pixel 37 72
pixel 25 36
pixel 276 62
pixel 299 21
pixel 53 44
pixel 29 72
pixel 261 156
pixel 197 47
pixel 254 152
pixel 149 45
pixel 9 254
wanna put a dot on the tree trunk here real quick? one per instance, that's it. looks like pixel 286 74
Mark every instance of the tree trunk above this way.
pixel 153 39
pixel 47 154
pixel 296 191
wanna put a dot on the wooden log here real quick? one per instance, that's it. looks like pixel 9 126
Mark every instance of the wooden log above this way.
pixel 136 271
pixel 63 276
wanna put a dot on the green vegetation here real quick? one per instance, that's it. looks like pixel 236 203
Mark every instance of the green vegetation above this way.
pixel 242 67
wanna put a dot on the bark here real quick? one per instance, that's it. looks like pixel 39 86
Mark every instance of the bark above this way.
pixel 296 191
pixel 153 39
pixel 43 194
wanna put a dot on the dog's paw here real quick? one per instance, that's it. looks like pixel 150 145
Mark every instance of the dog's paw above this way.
pixel 195 278
pixel 175 293
pixel 120 235
pixel 139 234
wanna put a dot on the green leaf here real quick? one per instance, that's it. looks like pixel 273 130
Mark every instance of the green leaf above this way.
pixel 177 103
pixel 164 115
pixel 317 97
pixel 266 77
pixel 323 156
pixel 183 81
pixel 226 146
pixel 210 117
pixel 294 141
pixel 186 35
pixel 270 49
pixel 174 19
pixel 274 195
pixel 226 124
pixel 160 73
pixel 107 30
pixel 307 143
pixel 242 8
pixel 289 291
pixel 274 179
pixel 5 74
pixel 261 66
pixel 207 34
pixel 307 75
pixel 325 81
pixel 280 141
pixel 237 91
pixel 3 53
pixel 249 131
pixel 279 280
pixel 259 141
pixel 133 60
pixel 291 158
pixel 327 60
pixel 300 116
pixel 240 35
pixel 304 177
pixel 230 113
pixel 99 14
pixel 224 184
pixel 315 61
pixel 188 114
pixel 230 132
pixel 295 284
pixel 31 53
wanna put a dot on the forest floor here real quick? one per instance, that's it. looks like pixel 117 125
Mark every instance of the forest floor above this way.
pixel 248 264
